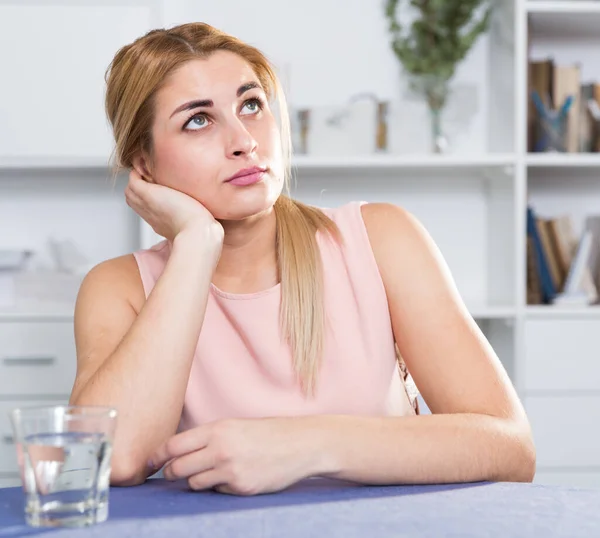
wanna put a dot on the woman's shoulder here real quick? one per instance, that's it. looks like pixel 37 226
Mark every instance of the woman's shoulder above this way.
pixel 129 277
pixel 379 220
pixel 388 231
pixel 393 232
pixel 385 221
pixel 117 278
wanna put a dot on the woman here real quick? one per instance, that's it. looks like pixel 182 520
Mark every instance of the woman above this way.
pixel 256 345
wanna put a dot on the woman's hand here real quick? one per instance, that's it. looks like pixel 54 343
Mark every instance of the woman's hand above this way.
pixel 241 456
pixel 169 211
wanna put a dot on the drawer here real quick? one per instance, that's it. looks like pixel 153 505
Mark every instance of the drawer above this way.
pixel 568 478
pixel 37 358
pixel 8 454
pixel 565 430
pixel 562 354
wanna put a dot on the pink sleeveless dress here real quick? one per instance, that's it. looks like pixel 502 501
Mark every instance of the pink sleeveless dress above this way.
pixel 242 367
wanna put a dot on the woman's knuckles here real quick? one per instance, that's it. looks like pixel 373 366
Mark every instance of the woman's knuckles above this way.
pixel 177 469
pixel 197 482
pixel 241 482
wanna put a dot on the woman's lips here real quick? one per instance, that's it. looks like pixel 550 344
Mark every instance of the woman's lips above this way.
pixel 247 179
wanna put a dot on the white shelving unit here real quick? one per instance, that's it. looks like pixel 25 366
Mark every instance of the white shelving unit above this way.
pixel 557 346
pixel 472 204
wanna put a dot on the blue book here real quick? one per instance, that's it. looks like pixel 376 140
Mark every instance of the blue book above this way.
pixel 548 289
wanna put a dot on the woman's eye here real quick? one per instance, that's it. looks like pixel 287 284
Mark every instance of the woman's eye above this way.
pixel 197 122
pixel 253 106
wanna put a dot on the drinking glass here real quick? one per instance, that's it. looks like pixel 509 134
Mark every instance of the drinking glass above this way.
pixel 64 455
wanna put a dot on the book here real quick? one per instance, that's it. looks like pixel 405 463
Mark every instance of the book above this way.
pixel 592 223
pixel 565 241
pixel 579 286
pixel 547 285
pixel 566 83
pixel 586 121
pixel 547 240
pixel 534 286
pixel 595 114
pixel 540 77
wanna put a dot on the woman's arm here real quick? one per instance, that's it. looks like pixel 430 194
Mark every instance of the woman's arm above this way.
pixel 140 363
pixel 134 354
pixel 478 430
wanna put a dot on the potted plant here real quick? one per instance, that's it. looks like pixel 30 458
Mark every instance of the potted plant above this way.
pixel 430 48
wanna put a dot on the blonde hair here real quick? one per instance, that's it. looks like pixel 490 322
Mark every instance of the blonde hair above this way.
pixel 133 78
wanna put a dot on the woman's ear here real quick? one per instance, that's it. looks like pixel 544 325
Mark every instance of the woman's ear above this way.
pixel 140 166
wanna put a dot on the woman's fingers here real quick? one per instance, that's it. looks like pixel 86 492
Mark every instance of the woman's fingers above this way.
pixel 183 443
pixel 197 462
pixel 134 176
pixel 212 478
pixel 136 183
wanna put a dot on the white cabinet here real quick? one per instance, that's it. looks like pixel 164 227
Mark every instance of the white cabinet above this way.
pixel 577 479
pixel 562 355
pixel 8 453
pixel 37 367
pixel 37 358
pixel 566 431
pixel 562 382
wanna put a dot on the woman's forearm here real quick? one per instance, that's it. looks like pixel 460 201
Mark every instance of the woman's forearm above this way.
pixel 421 449
pixel 145 378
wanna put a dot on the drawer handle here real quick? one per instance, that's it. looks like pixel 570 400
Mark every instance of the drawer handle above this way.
pixel 29 361
pixel 8 440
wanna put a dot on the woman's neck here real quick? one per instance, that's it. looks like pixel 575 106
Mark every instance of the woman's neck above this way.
pixel 248 261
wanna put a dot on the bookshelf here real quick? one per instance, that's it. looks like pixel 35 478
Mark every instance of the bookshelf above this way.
pixel 556 346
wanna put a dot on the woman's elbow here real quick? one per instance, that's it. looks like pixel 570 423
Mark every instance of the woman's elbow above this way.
pixel 127 472
pixel 523 456
pixel 528 461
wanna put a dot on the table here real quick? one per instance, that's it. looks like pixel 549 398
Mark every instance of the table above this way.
pixel 323 507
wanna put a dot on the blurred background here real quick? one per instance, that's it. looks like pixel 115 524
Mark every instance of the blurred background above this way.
pixel 482 118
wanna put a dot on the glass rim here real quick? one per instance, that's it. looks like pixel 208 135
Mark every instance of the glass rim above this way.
pixel 69 411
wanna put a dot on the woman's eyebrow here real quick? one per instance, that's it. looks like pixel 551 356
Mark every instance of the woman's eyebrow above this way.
pixel 248 86
pixel 206 103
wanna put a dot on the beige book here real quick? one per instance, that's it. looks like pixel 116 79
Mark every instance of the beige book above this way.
pixel 566 82
pixel 549 254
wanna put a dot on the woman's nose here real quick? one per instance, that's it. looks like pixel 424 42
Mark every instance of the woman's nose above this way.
pixel 240 140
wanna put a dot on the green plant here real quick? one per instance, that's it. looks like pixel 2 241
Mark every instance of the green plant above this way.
pixel 437 41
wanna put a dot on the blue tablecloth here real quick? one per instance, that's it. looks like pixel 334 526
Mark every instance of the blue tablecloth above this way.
pixel 319 507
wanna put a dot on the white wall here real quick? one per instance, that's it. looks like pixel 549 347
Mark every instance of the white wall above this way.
pixel 328 50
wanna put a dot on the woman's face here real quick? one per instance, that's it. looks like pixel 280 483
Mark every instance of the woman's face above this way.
pixel 212 121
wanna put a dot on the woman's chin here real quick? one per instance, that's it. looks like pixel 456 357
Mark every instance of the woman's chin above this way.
pixel 246 202
pixel 244 209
